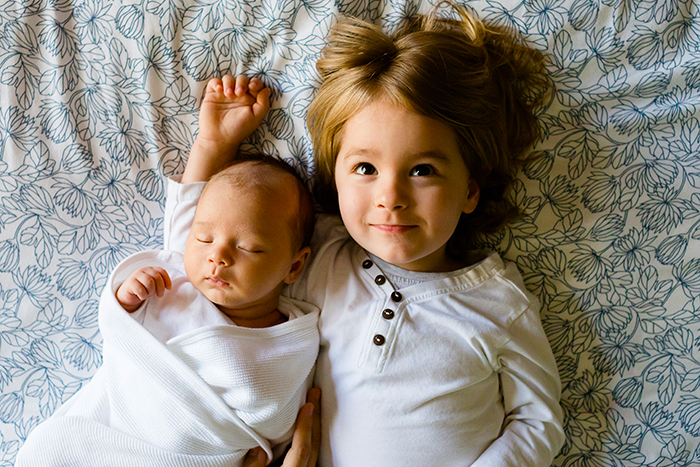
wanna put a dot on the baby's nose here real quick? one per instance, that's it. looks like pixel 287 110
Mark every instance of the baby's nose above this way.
pixel 220 258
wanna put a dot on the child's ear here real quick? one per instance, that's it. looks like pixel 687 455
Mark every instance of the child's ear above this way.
pixel 297 265
pixel 472 197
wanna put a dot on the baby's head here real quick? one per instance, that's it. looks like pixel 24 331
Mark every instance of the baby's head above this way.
pixel 478 84
pixel 250 236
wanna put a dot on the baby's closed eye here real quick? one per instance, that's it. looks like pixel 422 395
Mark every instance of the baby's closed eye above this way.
pixel 250 248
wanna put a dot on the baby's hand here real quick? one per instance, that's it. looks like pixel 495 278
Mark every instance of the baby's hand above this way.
pixel 140 285
pixel 232 109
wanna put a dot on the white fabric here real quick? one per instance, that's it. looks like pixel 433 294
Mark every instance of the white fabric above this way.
pixel 465 376
pixel 204 396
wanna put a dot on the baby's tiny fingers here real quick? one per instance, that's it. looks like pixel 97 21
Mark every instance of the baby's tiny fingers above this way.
pixel 162 281
pixel 229 85
pixel 160 285
pixel 255 84
pixel 166 279
pixel 214 85
pixel 140 289
pixel 242 85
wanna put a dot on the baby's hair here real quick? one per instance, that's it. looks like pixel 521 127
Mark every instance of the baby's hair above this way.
pixel 481 82
pixel 303 224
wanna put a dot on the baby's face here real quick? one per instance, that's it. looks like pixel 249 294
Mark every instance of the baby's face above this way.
pixel 241 247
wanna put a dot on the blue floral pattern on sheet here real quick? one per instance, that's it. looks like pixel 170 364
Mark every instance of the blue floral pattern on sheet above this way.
pixel 98 103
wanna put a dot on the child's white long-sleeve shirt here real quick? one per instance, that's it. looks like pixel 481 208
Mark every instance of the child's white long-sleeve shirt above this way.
pixel 454 371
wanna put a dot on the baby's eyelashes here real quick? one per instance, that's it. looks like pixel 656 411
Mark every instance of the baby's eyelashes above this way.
pixel 250 249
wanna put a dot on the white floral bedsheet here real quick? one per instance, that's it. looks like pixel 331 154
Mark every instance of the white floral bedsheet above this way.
pixel 98 104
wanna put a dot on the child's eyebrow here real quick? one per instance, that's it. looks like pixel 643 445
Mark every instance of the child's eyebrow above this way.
pixel 439 155
pixel 430 154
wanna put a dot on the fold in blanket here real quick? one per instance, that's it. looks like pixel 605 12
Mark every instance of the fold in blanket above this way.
pixel 147 407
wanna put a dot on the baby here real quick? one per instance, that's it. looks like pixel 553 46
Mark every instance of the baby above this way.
pixel 248 240
pixel 208 361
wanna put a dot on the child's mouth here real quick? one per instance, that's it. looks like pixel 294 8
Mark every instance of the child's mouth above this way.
pixel 393 228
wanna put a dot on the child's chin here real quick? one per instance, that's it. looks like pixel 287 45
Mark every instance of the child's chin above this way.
pixel 396 259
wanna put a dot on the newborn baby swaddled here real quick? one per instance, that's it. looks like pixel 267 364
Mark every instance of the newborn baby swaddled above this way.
pixel 203 360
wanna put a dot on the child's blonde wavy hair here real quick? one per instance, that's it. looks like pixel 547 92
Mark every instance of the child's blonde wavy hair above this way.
pixel 482 82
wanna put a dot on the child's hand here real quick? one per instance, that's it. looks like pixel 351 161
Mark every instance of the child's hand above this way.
pixel 305 443
pixel 140 285
pixel 231 110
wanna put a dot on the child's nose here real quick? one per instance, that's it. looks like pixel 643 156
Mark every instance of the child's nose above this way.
pixel 391 195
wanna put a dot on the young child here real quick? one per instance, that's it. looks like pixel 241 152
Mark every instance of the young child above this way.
pixel 209 362
pixel 430 354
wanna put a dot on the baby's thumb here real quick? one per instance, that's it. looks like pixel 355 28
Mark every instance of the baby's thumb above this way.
pixel 262 103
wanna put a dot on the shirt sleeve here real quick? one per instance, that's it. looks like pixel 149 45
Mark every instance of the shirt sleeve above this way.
pixel 532 432
pixel 180 205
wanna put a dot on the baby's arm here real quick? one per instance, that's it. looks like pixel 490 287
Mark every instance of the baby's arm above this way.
pixel 140 285
pixel 532 432
pixel 231 110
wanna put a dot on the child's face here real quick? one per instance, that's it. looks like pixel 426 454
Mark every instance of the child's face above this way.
pixel 240 250
pixel 402 186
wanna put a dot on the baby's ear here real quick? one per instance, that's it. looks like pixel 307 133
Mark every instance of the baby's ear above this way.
pixel 297 265
pixel 472 197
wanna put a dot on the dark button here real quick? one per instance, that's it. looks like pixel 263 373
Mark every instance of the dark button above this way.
pixel 395 296
pixel 388 314
pixel 379 280
pixel 367 264
pixel 378 339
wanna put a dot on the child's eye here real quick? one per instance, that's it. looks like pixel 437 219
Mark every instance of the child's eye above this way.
pixel 364 168
pixel 203 240
pixel 422 170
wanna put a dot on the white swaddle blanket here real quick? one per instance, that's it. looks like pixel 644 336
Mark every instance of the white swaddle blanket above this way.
pixel 204 398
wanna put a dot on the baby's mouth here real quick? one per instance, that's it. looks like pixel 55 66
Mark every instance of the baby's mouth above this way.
pixel 216 281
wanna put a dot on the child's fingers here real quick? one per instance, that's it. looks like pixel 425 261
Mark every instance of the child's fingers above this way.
pixel 314 397
pixel 305 445
pixel 242 85
pixel 255 458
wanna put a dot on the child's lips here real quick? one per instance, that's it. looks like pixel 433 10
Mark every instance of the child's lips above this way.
pixel 393 228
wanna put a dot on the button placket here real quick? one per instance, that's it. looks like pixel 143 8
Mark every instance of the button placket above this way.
pixel 383 322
